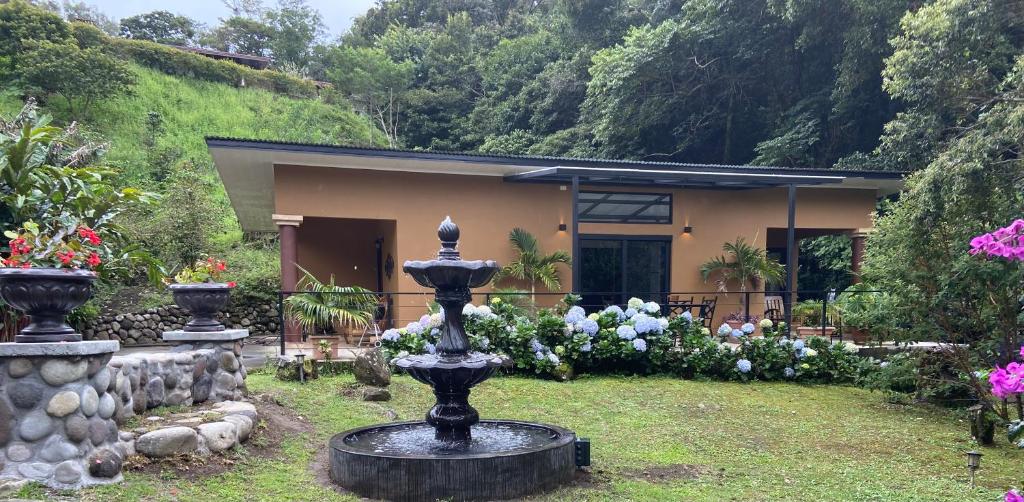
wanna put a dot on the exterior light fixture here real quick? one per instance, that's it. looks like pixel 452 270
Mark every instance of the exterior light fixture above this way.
pixel 687 230
pixel 300 359
pixel 562 227
pixel 973 463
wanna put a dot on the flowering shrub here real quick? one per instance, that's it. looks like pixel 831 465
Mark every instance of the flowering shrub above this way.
pixel 208 270
pixel 565 341
pixel 31 246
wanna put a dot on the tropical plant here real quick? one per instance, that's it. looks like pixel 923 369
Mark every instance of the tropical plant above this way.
pixel 209 270
pixel 744 264
pixel 533 265
pixel 323 305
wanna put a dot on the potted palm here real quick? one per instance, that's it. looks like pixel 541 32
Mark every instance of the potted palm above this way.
pixel 743 264
pixel 197 289
pixel 532 265
pixel 323 306
pixel 48 273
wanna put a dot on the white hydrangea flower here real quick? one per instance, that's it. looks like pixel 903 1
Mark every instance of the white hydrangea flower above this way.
pixel 593 317
pixel 635 303
pixel 850 348
pixel 469 310
pixel 810 352
pixel 435 320
pixel 663 322
pixel 483 310
pixel 766 323
pixel 652 308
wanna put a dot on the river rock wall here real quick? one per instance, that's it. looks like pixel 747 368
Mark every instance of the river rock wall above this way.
pixel 145 327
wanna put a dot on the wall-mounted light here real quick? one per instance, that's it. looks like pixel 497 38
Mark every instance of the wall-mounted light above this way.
pixel 687 230
pixel 562 227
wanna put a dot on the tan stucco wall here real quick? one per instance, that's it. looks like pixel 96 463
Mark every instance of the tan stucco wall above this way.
pixel 487 208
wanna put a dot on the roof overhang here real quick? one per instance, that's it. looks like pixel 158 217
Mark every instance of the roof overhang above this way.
pixel 247 169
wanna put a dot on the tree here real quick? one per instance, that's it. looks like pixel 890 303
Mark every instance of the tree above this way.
pixel 180 227
pixel 21 23
pixel 532 265
pixel 80 76
pixel 297 28
pixel 744 264
pixel 242 35
pixel 160 26
pixel 373 82
pixel 80 11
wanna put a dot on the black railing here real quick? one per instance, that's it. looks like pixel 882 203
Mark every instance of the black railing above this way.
pixel 712 306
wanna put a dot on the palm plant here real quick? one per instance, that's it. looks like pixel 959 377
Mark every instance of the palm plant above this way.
pixel 325 304
pixel 744 264
pixel 533 265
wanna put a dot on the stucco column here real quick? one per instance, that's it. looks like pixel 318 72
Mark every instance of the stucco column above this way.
pixel 288 227
pixel 857 239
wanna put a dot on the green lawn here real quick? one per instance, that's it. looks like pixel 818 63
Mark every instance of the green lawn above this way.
pixel 652 439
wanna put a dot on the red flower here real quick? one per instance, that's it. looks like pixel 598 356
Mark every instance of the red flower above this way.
pixel 66 258
pixel 221 266
pixel 232 284
pixel 90 235
pixel 93 260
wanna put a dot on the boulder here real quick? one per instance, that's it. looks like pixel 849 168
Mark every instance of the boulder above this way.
pixel 371 369
pixel 219 436
pixel 104 463
pixel 167 442
pixel 243 424
pixel 376 394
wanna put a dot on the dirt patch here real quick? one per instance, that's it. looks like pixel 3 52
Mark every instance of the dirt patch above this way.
pixel 276 423
pixel 662 473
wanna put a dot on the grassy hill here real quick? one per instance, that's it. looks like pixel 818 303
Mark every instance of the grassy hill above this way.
pixel 188 110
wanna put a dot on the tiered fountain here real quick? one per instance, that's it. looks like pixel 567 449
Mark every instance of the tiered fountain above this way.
pixel 453 455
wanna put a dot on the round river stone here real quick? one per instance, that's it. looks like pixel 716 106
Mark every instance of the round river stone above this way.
pixel 25 395
pixel 18 368
pixel 104 464
pixel 58 372
pixel 90 401
pixel 98 430
pixel 18 452
pixel 67 472
pixel 63 403
pixel 6 422
pixel 77 428
pixel 167 442
pixel 107 406
pixel 56 449
pixel 35 426
pixel 219 436
pixel 101 381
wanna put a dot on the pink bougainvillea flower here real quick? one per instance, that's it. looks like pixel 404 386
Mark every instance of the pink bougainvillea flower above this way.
pixel 1013 496
pixel 1007 381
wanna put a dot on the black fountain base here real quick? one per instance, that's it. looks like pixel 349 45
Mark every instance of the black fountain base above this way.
pixel 404 461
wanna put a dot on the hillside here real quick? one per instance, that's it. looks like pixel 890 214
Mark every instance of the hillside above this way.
pixel 188 110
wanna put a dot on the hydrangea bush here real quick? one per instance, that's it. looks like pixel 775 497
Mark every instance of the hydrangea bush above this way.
pixel 638 339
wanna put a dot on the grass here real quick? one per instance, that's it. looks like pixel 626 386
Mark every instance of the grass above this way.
pixel 759 441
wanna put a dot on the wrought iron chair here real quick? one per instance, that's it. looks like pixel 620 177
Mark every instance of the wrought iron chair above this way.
pixel 707 310
pixel 372 331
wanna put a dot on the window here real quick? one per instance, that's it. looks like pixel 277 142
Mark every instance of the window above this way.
pixel 624 207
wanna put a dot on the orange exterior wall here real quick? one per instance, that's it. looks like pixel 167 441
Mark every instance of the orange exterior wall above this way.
pixel 487 208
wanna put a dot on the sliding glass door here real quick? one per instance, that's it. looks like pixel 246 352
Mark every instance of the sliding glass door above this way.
pixel 615 268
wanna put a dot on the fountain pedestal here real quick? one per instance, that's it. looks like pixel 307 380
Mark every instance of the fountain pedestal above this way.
pixel 452 455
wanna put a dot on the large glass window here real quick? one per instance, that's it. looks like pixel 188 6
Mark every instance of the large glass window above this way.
pixel 624 207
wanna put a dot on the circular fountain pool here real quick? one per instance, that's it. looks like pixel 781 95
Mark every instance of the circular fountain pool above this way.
pixel 502 460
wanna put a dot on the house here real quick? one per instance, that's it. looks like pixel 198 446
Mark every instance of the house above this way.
pixel 639 228
pixel 257 62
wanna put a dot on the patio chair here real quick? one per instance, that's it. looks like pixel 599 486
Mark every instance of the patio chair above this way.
pixel 372 331
pixel 707 310
pixel 774 309
pixel 677 305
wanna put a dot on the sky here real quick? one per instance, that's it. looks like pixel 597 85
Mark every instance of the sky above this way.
pixel 337 14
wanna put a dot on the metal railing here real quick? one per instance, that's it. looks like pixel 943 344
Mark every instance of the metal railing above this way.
pixel 398 308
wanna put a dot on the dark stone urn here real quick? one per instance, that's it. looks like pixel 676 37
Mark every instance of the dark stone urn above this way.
pixel 47 295
pixel 204 301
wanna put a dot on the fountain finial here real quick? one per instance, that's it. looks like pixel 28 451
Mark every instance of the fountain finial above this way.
pixel 448 232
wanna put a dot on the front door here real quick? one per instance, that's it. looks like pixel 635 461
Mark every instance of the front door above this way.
pixel 615 268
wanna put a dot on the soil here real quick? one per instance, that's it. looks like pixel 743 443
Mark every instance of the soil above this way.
pixel 276 423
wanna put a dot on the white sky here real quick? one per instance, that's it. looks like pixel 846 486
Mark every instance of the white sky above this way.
pixel 337 14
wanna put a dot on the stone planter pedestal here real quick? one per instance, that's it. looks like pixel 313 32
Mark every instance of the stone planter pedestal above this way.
pixel 221 375
pixel 57 414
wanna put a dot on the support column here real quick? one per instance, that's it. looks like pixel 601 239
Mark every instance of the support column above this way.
pixel 287 227
pixel 787 299
pixel 576 283
pixel 857 241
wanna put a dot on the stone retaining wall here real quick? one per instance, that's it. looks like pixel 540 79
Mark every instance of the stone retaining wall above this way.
pixel 57 422
pixel 144 328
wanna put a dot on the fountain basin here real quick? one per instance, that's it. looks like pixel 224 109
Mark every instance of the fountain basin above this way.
pixel 403 461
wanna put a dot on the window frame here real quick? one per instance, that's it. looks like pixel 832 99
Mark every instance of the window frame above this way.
pixel 624 220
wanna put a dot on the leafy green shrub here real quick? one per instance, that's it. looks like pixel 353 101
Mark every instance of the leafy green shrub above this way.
pixel 80 76
pixel 87 35
pixel 257 271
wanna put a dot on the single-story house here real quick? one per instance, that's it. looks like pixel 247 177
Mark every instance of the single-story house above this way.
pixel 638 229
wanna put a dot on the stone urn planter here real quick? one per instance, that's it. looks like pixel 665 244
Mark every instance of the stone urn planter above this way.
pixel 47 295
pixel 203 301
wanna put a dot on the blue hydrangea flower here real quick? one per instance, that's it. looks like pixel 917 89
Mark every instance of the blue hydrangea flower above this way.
pixel 484 343
pixel 743 366
pixel 539 356
pixel 536 346
pixel 575 315
pixel 640 345
pixel 784 342
pixel 688 316
pixel 798 345
pixel 435 332
pixel 589 327
pixel 586 347
pixel 789 372
pixel 553 358
pixel 391 335
pixel 724 330
pixel 617 311
pixel 415 328
pixel 643 323
pixel 800 354
pixel 652 308
pixel 425 320
pixel 747 328
pixel 626 332
pixel 630 312
pixel 737 333
pixel 430 348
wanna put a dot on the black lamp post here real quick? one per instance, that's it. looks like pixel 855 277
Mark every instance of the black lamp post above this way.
pixel 973 463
